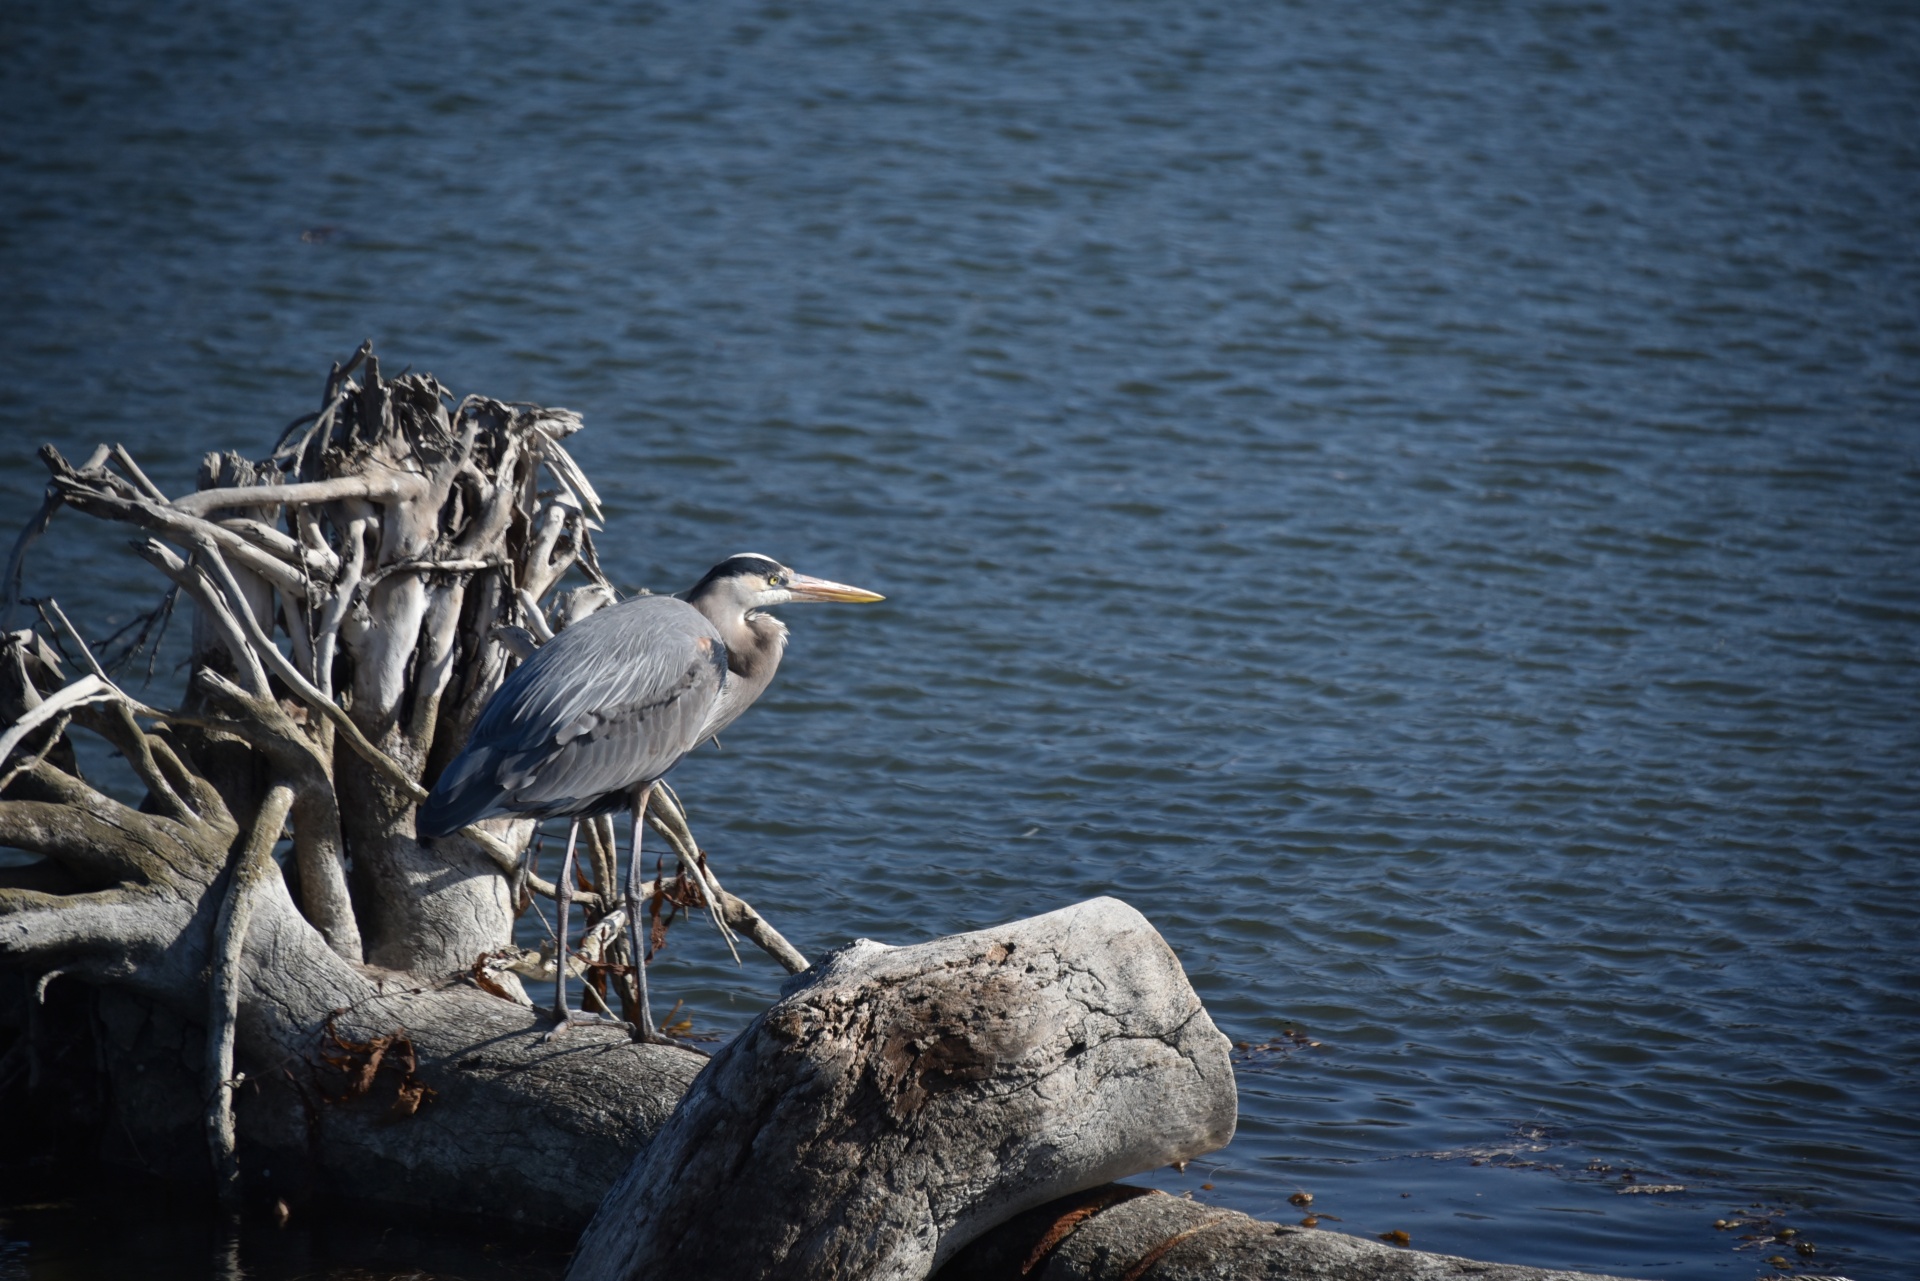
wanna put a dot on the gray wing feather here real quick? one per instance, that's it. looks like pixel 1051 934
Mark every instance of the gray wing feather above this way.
pixel 612 701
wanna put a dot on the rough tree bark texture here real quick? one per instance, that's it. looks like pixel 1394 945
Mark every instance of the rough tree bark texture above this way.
pixel 900 1101
pixel 352 597
pixel 1121 1233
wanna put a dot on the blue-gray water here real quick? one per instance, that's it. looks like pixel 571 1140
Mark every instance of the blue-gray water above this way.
pixel 1419 499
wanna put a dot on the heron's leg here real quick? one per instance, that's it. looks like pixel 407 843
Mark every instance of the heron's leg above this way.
pixel 563 904
pixel 563 900
pixel 635 952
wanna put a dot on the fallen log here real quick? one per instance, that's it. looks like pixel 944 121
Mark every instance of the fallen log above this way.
pixel 898 1102
pixel 1121 1233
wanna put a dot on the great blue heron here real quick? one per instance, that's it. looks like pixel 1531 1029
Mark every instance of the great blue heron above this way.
pixel 593 718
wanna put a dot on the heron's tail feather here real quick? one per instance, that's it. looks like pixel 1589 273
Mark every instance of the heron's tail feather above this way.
pixel 465 793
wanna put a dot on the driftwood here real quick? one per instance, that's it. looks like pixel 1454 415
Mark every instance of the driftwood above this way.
pixel 355 598
pixel 1121 1233
pixel 897 1102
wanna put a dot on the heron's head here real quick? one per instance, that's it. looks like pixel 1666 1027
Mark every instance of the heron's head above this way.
pixel 749 581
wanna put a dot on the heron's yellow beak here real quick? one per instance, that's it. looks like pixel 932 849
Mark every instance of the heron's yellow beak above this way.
pixel 804 588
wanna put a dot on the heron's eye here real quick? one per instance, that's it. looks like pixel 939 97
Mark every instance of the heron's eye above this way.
pixel 773 580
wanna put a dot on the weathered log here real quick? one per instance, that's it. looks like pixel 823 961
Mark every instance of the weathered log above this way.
pixel 897 1102
pixel 1121 1233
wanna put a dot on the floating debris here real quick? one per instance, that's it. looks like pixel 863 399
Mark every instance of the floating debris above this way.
pixel 1263 1055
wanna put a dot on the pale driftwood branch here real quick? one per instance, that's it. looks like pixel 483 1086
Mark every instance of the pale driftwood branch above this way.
pixel 267 650
pixel 327 634
pixel 690 859
pixel 195 582
pixel 88 689
pixel 17 558
pixel 385 487
pixel 502 502
pixel 551 426
pixel 318 561
pixel 34 761
pixel 667 816
pixel 319 849
pixel 898 1102
pixel 741 916
pixel 167 520
pixel 536 619
pixel 517 641
pixel 92 934
pixel 439 646
pixel 253 862
pixel 540 569
pixel 120 455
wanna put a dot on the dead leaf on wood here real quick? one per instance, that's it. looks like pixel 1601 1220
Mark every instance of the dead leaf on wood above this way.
pixel 482 973
pixel 359 1064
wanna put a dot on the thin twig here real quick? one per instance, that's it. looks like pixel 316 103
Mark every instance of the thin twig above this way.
pixel 16 560
pixel 429 566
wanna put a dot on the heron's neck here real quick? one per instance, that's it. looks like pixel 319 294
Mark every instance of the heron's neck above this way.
pixel 754 641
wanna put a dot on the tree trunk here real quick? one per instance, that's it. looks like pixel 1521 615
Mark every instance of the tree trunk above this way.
pixel 903 1100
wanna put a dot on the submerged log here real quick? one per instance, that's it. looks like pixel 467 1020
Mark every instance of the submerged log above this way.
pixel 897 1102
pixel 1121 1233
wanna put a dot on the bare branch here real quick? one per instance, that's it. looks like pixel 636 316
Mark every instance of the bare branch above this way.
pixel 384 486
pixel 319 561
pixel 299 684
pixel 439 646
pixel 536 621
pixel 327 634
pixel 668 817
pixel 213 604
pixel 560 462
pixel 93 836
pixel 33 762
pixel 88 689
pixel 168 520
pixel 253 862
pixel 120 455
pixel 319 849
pixel 16 560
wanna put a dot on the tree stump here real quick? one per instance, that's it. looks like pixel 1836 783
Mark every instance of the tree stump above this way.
pixel 357 596
pixel 897 1102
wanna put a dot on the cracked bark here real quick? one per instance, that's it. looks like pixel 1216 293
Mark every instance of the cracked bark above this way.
pixel 897 1102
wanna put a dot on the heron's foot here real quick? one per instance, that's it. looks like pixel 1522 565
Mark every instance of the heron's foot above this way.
pixel 649 1037
pixel 580 1018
